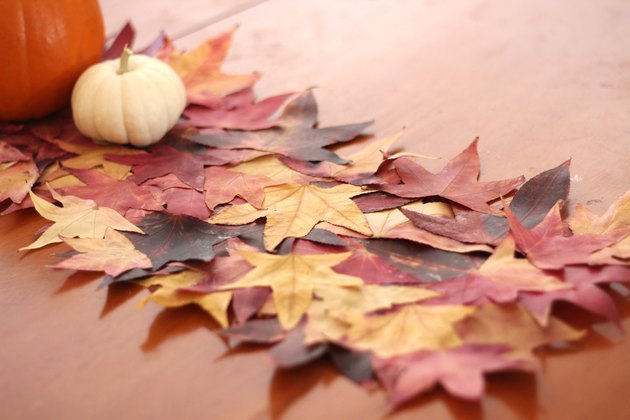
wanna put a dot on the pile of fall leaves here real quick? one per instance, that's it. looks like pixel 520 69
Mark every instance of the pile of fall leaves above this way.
pixel 401 277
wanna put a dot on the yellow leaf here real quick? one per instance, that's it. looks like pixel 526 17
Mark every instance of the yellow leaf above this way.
pixel 292 278
pixel 368 158
pixel 292 210
pixel 616 218
pixel 322 326
pixel 513 325
pixel 77 218
pixel 410 328
pixel 93 155
pixel 169 294
pixel 271 167
pixel 114 254
pixel 502 267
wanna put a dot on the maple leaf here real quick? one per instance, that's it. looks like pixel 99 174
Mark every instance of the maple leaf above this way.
pixel 223 185
pixel 407 329
pixel 120 195
pixel 546 246
pixel 200 69
pixel 531 204
pixel 292 210
pixel 323 326
pixel 500 278
pixel 585 293
pixel 171 295
pixel 378 201
pixel 362 263
pixel 164 160
pixel 360 171
pixel 76 218
pixel 9 153
pixel 426 263
pixel 16 180
pixel 459 370
pixel 186 201
pixel 393 224
pixel 457 181
pixel 512 325
pixel 293 352
pixel 296 138
pixel 271 167
pixel 91 155
pixel 254 116
pixel 171 237
pixel 255 331
pixel 615 219
pixel 124 38
pixel 114 254
pixel 292 278
pixel 223 270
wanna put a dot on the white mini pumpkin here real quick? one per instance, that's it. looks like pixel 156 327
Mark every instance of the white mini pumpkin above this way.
pixel 134 99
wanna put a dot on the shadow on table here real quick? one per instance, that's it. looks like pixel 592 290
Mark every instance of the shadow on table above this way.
pixel 174 322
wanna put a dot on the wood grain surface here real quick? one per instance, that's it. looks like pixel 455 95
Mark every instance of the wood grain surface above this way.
pixel 538 81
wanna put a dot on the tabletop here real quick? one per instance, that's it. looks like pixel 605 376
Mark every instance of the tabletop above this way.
pixel 538 81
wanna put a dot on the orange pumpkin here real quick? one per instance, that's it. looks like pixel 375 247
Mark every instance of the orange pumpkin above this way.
pixel 46 45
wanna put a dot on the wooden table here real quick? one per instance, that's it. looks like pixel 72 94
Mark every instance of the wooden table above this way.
pixel 539 81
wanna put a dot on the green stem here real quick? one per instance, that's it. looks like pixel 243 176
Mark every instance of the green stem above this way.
pixel 124 60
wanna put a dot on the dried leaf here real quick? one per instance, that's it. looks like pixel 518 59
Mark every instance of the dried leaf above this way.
pixel 410 328
pixel 457 181
pixel 254 116
pixel 16 180
pixel 459 370
pixel 531 204
pixel 200 69
pixel 178 238
pixel 500 278
pixel 114 254
pixel 296 138
pixel 512 325
pixel 223 185
pixel 292 278
pixel 76 218
pixel 546 246
pixel 292 210
pixel 170 294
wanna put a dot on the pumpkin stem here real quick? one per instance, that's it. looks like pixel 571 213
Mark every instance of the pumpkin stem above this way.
pixel 124 60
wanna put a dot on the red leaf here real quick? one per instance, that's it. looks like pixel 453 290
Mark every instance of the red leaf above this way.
pixel 546 246
pixel 9 153
pixel 296 138
pixel 586 294
pixel 113 193
pixel 457 182
pixel 362 263
pixel 459 370
pixel 530 204
pixel 164 160
pixel 186 201
pixel 253 116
